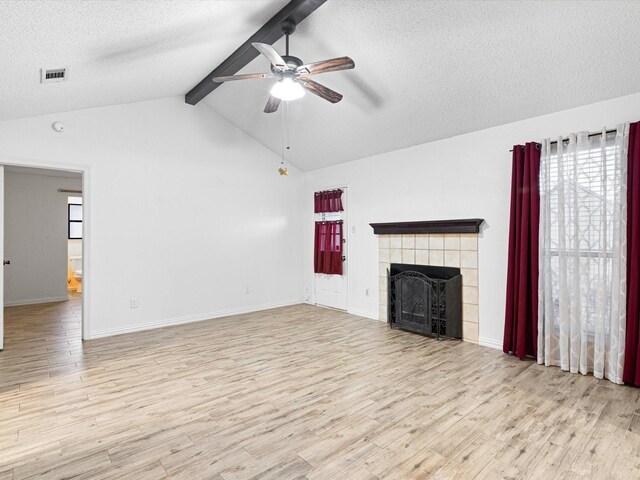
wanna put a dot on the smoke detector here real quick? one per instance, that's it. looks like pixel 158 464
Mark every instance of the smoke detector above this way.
pixel 50 75
pixel 58 127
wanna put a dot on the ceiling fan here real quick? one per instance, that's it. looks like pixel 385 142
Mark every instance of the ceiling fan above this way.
pixel 292 74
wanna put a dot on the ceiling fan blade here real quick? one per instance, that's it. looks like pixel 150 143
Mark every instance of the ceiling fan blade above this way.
pixel 320 90
pixel 325 66
pixel 269 52
pixel 244 76
pixel 272 104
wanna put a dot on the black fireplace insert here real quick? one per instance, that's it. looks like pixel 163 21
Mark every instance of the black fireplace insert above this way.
pixel 425 299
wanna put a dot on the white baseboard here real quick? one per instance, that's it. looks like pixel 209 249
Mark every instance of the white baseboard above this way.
pixel 35 301
pixel 187 319
pixel 351 311
pixel 364 314
pixel 490 342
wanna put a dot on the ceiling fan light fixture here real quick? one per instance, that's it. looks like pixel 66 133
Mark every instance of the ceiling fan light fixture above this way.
pixel 287 89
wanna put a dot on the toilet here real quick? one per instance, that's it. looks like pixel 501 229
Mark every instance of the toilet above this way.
pixel 76 267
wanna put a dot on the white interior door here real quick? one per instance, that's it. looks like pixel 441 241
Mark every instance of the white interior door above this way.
pixel 331 290
pixel 2 256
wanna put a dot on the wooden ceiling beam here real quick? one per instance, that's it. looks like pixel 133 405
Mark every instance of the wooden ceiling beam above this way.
pixel 270 32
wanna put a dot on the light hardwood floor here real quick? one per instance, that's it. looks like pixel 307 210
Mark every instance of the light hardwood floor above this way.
pixel 297 392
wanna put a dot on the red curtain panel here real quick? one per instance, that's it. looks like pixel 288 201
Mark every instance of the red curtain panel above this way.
pixel 327 256
pixel 521 316
pixel 328 201
pixel 631 372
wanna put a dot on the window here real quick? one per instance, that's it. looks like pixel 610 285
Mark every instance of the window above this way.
pixel 75 221
pixel 582 286
pixel 329 233
pixel 581 192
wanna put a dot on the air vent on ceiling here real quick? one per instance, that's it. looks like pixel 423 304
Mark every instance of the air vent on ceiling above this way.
pixel 48 75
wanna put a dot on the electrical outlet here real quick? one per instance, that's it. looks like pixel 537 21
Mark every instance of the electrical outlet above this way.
pixel 366 292
pixel 133 302
pixel 246 290
pixel 306 294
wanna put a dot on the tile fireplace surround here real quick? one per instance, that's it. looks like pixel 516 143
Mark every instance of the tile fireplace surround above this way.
pixel 441 249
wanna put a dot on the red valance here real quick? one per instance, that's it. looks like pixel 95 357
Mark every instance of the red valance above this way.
pixel 328 201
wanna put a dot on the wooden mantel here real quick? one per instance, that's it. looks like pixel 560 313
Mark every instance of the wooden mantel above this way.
pixel 463 225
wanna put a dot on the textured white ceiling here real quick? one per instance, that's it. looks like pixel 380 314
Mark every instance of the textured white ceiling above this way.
pixel 430 70
pixel 118 51
pixel 424 70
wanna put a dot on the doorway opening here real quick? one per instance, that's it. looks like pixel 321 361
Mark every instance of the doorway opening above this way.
pixel 42 250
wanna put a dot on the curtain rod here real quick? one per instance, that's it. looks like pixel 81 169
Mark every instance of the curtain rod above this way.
pixel 64 190
pixel 326 191
pixel 595 134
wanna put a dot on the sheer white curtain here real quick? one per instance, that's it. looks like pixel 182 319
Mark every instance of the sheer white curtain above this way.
pixel 582 279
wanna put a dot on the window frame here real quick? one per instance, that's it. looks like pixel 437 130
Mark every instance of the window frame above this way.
pixel 69 221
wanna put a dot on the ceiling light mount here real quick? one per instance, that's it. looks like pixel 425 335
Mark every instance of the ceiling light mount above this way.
pixel 288 26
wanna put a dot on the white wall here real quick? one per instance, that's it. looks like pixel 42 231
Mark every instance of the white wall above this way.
pixel 74 248
pixel 186 211
pixel 182 211
pixel 461 177
pixel 35 238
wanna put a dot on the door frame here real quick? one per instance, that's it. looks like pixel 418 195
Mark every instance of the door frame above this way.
pixel 86 226
pixel 346 233
pixel 2 255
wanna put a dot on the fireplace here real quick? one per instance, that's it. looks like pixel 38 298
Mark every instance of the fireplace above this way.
pixel 444 243
pixel 425 299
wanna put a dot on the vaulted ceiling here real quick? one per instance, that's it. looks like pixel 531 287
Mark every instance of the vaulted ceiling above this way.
pixel 424 70
pixel 117 51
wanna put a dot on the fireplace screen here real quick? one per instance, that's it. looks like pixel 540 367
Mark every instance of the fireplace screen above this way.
pixel 426 299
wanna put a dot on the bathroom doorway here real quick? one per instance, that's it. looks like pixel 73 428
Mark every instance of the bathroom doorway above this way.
pixel 74 244
pixel 42 219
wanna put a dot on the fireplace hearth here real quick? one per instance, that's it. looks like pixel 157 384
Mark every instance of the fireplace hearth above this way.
pixel 426 299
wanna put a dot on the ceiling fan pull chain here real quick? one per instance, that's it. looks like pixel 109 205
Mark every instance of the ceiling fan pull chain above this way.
pixel 282 130
pixel 283 170
pixel 287 123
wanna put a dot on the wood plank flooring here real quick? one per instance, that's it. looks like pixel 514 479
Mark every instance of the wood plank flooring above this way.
pixel 296 393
